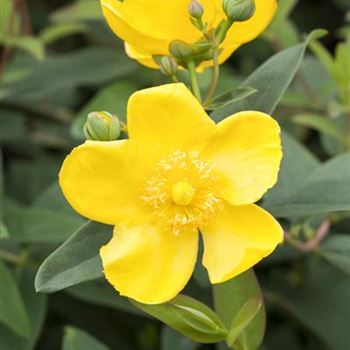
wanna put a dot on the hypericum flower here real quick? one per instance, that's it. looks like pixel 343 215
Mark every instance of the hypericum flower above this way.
pixel 149 26
pixel 178 174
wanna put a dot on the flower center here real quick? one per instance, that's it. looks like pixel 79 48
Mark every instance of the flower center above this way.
pixel 182 191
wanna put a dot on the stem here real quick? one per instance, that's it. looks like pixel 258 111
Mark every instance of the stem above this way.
pixel 174 78
pixel 215 78
pixel 194 80
pixel 313 244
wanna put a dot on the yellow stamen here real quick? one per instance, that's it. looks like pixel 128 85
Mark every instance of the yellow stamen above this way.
pixel 182 193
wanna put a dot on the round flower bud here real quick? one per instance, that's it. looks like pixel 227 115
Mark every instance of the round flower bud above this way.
pixel 102 126
pixel 181 50
pixel 168 66
pixel 196 9
pixel 239 10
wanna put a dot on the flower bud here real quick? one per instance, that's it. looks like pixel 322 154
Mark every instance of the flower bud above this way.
pixel 168 66
pixel 239 10
pixel 181 50
pixel 196 9
pixel 102 126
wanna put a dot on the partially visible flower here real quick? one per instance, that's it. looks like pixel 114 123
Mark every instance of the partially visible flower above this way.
pixel 179 174
pixel 149 26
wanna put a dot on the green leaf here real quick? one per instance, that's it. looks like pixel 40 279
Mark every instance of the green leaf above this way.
pixel 112 98
pixel 230 97
pixel 76 339
pixel 336 250
pixel 230 297
pixel 243 319
pixel 58 31
pixel 297 165
pixel 325 190
pixel 320 123
pixel 171 340
pixel 13 313
pixel 30 44
pixel 78 11
pixel 100 292
pixel 75 261
pixel 4 233
pixel 91 66
pixel 189 317
pixel 320 303
pixel 35 305
pixel 29 225
pixel 271 80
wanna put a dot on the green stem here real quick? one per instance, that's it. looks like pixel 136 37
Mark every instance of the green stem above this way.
pixel 174 78
pixel 194 80
pixel 215 78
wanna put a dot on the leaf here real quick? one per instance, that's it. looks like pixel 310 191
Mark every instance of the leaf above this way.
pixel 230 97
pixel 230 297
pixel 91 66
pixel 320 303
pixel 76 339
pixel 243 319
pixel 112 98
pixel 325 190
pixel 29 225
pixel 320 123
pixel 13 313
pixel 4 233
pixel 35 305
pixel 189 317
pixel 102 293
pixel 78 11
pixel 297 165
pixel 58 31
pixel 336 250
pixel 75 261
pixel 30 44
pixel 271 80
pixel 171 340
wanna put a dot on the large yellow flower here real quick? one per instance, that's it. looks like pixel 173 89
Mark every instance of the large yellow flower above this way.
pixel 179 173
pixel 148 26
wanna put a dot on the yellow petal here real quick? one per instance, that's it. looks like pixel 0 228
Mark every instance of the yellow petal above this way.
pixel 144 58
pixel 169 116
pixel 247 152
pixel 101 180
pixel 147 264
pixel 238 239
pixel 242 32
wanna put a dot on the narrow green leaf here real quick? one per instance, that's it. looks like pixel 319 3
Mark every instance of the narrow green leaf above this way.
pixel 13 313
pixel 76 339
pixel 3 231
pixel 271 80
pixel 230 297
pixel 189 317
pixel 31 45
pixel 230 97
pixel 243 319
pixel 320 123
pixel 297 165
pixel 326 189
pixel 75 261
pixel 100 292
pixel 58 31
pixel 336 250
pixel 35 305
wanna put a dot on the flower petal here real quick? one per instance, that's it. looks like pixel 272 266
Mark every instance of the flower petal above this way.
pixel 101 180
pixel 238 239
pixel 169 116
pixel 148 264
pixel 242 32
pixel 247 152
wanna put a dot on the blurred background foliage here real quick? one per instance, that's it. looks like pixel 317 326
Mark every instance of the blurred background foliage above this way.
pixel 59 61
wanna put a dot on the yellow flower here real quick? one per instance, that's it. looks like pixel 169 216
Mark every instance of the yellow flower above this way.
pixel 177 174
pixel 148 26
